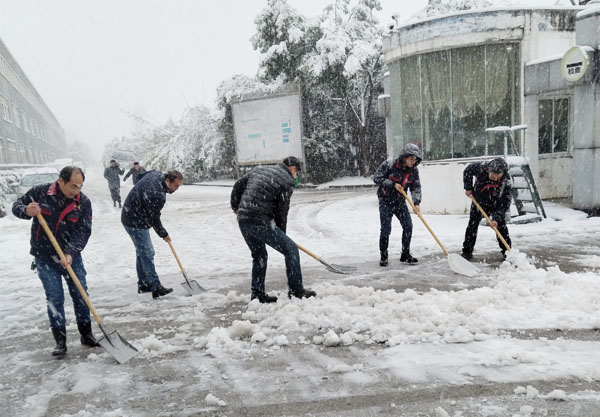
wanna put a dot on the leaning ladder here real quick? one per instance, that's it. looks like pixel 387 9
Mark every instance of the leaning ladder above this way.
pixel 527 204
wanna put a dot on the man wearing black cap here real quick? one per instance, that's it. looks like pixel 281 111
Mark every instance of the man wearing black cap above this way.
pixel 492 190
pixel 261 200
pixel 111 173
pixel 136 173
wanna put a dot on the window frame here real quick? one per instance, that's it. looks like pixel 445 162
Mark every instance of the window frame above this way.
pixel 554 98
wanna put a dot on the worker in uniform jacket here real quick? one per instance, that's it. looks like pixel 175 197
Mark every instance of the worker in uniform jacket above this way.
pixel 136 172
pixel 112 173
pixel 392 176
pixel 141 212
pixel 68 213
pixel 492 190
pixel 261 200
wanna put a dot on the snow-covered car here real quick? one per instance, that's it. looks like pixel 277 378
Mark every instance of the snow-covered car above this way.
pixel 36 176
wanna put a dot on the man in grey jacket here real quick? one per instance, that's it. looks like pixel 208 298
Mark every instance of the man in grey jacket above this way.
pixel 261 200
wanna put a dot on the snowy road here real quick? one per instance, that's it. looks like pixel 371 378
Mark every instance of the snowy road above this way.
pixel 520 339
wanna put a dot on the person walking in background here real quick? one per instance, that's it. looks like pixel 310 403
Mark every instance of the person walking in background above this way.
pixel 68 213
pixel 141 211
pixel 135 172
pixel 112 173
pixel 392 176
pixel 261 201
pixel 492 190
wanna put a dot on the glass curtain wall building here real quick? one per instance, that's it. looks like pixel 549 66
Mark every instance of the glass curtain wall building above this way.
pixel 446 99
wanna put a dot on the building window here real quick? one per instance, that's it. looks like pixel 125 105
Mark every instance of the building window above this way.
pixel 17 115
pixel 445 100
pixel 553 133
pixel 5 109
pixel 1 152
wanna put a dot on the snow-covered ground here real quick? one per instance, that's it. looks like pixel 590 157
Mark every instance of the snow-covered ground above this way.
pixel 520 339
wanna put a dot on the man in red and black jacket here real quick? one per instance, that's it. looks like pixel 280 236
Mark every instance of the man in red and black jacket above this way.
pixel 392 176
pixel 492 190
pixel 68 213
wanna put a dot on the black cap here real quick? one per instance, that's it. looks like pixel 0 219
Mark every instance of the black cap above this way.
pixel 292 161
pixel 136 163
pixel 498 166
pixel 112 160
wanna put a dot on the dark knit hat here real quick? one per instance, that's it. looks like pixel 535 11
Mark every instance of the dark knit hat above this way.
pixel 292 161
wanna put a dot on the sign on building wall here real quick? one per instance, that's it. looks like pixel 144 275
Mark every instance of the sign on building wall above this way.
pixel 574 63
pixel 268 129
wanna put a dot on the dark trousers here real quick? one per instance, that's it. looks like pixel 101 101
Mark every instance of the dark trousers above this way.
pixel 386 212
pixel 471 233
pixel 51 274
pixel 256 237
pixel 115 194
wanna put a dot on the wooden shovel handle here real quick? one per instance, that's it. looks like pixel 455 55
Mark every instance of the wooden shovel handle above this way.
pixel 490 222
pixel 176 257
pixel 423 220
pixel 68 268
pixel 308 252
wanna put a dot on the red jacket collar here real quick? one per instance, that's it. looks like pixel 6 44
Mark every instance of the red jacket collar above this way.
pixel 54 190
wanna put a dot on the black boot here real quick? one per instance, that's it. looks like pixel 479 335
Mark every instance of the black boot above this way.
pixel 143 289
pixel 467 255
pixel 407 257
pixel 264 298
pixel 384 259
pixel 303 293
pixel 161 291
pixel 60 335
pixel 87 337
pixel 119 203
pixel 114 203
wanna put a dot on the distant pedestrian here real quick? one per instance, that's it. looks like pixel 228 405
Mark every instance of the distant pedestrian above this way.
pixel 68 213
pixel 141 211
pixel 112 173
pixel 135 172
pixel 392 176
pixel 492 190
pixel 261 200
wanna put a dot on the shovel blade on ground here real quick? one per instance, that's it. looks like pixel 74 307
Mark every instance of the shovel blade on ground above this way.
pixel 461 266
pixel 340 269
pixel 117 347
pixel 193 288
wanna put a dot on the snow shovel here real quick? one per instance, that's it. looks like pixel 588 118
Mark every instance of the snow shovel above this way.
pixel 457 263
pixel 112 342
pixel 490 223
pixel 192 287
pixel 338 269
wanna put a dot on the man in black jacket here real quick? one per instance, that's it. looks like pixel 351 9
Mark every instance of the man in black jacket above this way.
pixel 141 211
pixel 392 176
pixel 492 190
pixel 136 173
pixel 261 200
pixel 111 173
pixel 68 213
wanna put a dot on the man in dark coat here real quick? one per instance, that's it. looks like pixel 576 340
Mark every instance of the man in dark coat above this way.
pixel 141 211
pixel 111 173
pixel 135 172
pixel 261 200
pixel 492 190
pixel 392 176
pixel 68 213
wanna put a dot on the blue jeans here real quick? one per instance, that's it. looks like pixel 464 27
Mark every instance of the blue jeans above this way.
pixel 256 237
pixel 385 217
pixel 51 273
pixel 144 258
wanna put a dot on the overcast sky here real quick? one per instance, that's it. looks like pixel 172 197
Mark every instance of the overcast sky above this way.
pixel 91 59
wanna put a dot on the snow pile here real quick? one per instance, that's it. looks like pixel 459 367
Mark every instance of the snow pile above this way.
pixel 349 314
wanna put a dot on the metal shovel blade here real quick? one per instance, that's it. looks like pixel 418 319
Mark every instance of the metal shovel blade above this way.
pixel 116 346
pixel 461 266
pixel 338 269
pixel 193 288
